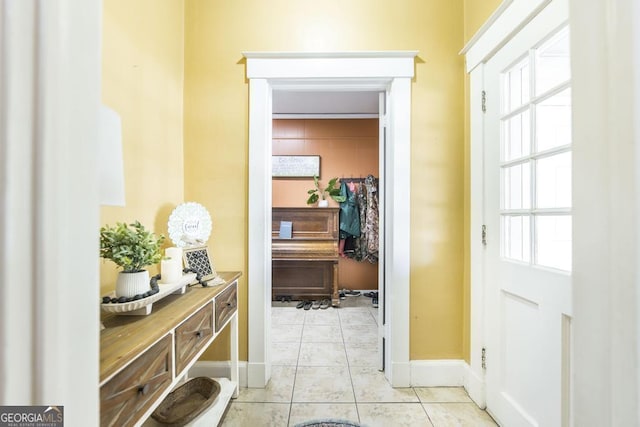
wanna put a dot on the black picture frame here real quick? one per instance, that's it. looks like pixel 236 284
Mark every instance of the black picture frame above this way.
pixel 196 258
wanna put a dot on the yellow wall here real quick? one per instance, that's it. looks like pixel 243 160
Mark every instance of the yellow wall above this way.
pixel 216 131
pixel 142 79
pixel 156 53
pixel 476 12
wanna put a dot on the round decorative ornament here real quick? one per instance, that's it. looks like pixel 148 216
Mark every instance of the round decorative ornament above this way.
pixel 189 224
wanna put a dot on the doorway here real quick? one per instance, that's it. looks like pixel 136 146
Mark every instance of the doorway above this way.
pixel 343 135
pixel 390 72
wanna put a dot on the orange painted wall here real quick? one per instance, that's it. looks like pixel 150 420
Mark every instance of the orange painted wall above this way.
pixel 347 148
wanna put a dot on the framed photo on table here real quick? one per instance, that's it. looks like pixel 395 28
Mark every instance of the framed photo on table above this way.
pixel 197 259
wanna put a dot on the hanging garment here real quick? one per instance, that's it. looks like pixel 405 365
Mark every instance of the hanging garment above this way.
pixel 359 243
pixel 371 225
pixel 349 215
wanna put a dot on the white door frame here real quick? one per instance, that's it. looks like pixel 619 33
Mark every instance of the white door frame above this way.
pixel 352 71
pixel 605 53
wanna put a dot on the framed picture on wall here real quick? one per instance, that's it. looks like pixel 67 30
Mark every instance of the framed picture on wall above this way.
pixel 295 166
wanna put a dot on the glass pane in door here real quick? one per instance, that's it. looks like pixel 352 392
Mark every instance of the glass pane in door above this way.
pixel 552 63
pixel 516 88
pixel 553 241
pixel 553 121
pixel 517 186
pixel 517 136
pixel 553 181
pixel 516 242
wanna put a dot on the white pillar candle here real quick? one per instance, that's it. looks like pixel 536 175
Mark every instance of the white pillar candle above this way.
pixel 170 270
pixel 174 253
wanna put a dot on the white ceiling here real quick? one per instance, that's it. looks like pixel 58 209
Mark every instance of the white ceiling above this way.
pixel 294 102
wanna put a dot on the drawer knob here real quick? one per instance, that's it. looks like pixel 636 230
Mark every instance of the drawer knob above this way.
pixel 199 334
pixel 144 389
pixel 229 304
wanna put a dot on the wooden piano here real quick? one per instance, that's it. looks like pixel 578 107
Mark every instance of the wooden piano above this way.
pixel 305 266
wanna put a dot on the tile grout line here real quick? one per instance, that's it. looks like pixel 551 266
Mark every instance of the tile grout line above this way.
pixel 353 389
pixel 295 375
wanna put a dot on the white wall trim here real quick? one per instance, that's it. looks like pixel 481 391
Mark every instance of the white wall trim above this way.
pixel 448 373
pixel 486 26
pixel 510 18
pixel 356 54
pixel 259 271
pixel 438 373
pixel 359 65
pixel 213 369
pixel 329 72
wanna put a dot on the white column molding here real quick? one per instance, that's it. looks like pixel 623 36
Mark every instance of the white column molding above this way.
pixel 259 277
pixel 605 53
pixel 49 215
pixel 398 229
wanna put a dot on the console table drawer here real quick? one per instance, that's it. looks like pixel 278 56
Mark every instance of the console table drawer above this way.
pixel 226 305
pixel 192 335
pixel 125 397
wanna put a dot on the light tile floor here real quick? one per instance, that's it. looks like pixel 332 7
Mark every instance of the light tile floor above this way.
pixel 325 366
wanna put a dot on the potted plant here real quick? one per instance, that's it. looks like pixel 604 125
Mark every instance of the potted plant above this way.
pixel 133 248
pixel 321 193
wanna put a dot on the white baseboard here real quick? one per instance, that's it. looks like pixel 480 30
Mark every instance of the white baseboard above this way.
pixel 213 369
pixel 474 384
pixel 449 373
pixel 437 373
pixel 418 373
pixel 400 374
pixel 257 375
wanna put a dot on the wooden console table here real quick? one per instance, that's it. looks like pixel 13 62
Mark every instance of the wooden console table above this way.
pixel 142 358
pixel 306 265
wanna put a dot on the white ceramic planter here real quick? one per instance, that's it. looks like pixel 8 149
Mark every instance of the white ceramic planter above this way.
pixel 131 284
pixel 323 203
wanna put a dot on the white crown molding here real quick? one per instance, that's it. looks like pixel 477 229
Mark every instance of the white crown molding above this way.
pixel 486 26
pixel 510 17
pixel 353 54
pixel 330 65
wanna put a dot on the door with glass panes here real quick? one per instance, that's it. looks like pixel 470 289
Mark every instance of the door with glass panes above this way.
pixel 527 213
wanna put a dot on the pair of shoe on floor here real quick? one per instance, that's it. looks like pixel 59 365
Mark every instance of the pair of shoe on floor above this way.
pixel 324 304
pixel 374 298
pixel 349 293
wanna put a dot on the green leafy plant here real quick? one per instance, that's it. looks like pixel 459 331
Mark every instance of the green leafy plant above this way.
pixel 330 190
pixel 130 246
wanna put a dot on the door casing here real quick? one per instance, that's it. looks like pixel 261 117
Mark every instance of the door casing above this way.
pixel 352 71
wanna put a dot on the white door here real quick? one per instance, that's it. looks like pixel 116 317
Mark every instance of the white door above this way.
pixel 527 213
